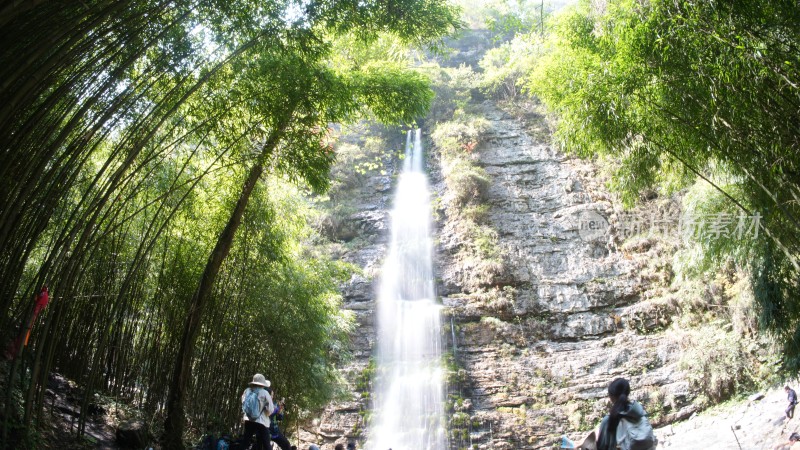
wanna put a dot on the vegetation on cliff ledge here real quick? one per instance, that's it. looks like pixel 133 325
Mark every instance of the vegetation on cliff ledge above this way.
pixel 682 93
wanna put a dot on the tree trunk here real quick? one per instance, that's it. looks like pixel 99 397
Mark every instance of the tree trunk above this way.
pixel 174 423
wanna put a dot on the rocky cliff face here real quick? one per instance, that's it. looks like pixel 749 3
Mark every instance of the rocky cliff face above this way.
pixel 578 291
pixel 531 352
pixel 566 315
pixel 360 231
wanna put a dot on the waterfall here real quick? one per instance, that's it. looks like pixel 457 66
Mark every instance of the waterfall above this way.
pixel 408 410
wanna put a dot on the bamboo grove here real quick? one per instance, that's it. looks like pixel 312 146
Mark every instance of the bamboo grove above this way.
pixel 148 153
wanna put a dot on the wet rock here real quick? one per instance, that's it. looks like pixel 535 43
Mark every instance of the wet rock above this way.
pixel 578 312
pixel 370 222
pixel 538 334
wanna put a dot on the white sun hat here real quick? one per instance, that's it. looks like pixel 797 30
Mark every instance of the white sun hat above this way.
pixel 259 380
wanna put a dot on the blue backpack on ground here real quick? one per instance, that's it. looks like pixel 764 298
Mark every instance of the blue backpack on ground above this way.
pixel 251 407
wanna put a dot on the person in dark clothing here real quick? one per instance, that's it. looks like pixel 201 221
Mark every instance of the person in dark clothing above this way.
pixel 792 397
pixel 622 408
pixel 618 392
pixel 274 426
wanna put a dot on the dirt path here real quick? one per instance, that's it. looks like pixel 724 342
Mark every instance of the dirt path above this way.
pixel 62 407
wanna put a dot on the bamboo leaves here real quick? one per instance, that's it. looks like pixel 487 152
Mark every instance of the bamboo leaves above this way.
pixel 134 137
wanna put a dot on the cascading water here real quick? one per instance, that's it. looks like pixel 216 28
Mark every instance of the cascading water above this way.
pixel 408 401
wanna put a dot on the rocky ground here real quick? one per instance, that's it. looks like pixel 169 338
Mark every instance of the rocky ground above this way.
pixel 753 424
pixel 107 426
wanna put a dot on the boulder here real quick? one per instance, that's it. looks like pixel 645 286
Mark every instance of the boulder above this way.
pixel 132 434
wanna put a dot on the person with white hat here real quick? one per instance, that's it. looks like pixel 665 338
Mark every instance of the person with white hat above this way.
pixel 257 424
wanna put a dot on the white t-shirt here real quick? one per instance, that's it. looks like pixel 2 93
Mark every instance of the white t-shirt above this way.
pixel 264 401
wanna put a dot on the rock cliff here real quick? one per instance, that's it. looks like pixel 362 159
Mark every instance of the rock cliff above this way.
pixel 578 291
pixel 566 314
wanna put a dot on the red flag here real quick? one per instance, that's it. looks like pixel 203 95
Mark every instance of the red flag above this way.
pixel 25 331
pixel 41 302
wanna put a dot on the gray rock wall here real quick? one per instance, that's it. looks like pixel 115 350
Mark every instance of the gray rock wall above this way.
pixel 531 353
pixel 361 239
pixel 566 315
pixel 535 336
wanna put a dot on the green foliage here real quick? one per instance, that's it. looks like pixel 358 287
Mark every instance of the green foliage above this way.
pixel 504 67
pixel 775 289
pixel 387 89
pixel 474 13
pixel 363 161
pixel 480 255
pixel 413 21
pixel 453 87
pixel 294 307
pixel 518 28
pixel 718 364
pixel 705 89
pixel 504 18
pixel 458 138
pixel 354 162
pixel 365 378
pixel 628 77
pixel 708 246
pixel 476 213
pixel 722 350
pixel 125 158
pixel 456 375
pixel 350 52
pixel 467 186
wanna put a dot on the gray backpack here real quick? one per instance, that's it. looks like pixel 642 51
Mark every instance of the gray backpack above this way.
pixel 636 435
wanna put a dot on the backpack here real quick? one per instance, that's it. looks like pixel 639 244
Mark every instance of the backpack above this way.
pixel 251 407
pixel 636 435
